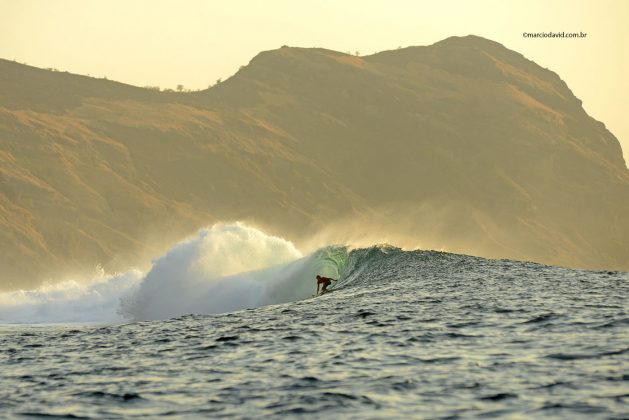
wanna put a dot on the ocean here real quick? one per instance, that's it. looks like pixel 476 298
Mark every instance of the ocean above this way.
pixel 225 325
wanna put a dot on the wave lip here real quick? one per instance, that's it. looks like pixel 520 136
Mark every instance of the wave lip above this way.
pixel 223 268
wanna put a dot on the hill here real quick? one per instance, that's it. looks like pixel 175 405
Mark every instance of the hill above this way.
pixel 463 145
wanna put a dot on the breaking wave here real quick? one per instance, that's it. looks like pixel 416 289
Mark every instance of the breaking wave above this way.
pixel 223 268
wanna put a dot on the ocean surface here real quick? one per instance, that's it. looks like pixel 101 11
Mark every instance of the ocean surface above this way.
pixel 406 334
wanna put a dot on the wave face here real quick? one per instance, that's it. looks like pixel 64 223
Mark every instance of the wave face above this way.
pixel 223 268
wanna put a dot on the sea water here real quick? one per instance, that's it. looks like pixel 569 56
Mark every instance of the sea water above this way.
pixel 225 324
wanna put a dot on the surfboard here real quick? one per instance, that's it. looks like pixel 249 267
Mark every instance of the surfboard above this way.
pixel 323 293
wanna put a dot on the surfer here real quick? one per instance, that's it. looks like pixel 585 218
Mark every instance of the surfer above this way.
pixel 325 281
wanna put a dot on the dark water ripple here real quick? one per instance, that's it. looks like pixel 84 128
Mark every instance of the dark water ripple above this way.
pixel 416 335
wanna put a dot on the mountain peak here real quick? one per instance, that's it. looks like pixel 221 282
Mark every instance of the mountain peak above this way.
pixel 469 40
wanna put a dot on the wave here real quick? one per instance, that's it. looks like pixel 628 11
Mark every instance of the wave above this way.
pixel 229 267
pixel 223 268
pixel 96 301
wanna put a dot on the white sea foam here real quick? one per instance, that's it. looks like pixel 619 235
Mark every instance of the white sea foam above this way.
pixel 70 301
pixel 222 268
pixel 225 268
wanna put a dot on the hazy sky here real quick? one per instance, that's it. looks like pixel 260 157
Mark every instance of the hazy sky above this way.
pixel 194 42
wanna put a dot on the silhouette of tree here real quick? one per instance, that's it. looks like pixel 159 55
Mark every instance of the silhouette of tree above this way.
pixel 179 88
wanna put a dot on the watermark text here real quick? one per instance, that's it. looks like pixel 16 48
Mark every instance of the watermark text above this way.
pixel 554 34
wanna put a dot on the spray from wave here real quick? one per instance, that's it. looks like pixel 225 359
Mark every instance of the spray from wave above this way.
pixel 70 301
pixel 223 268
